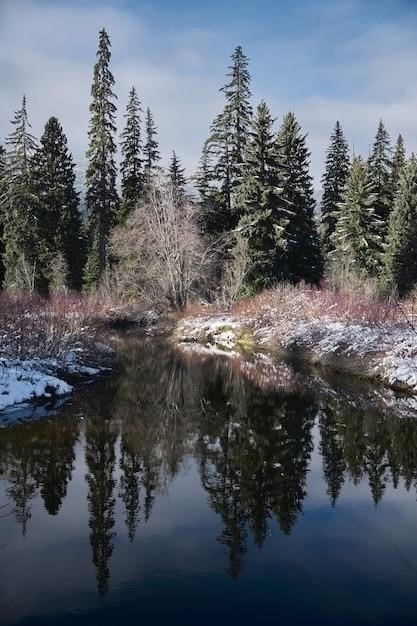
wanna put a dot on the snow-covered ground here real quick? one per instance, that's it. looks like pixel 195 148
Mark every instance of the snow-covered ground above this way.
pixel 385 352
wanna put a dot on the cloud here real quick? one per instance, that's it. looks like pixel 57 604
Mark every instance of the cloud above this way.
pixel 356 75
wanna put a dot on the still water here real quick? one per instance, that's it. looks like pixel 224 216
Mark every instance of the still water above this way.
pixel 191 490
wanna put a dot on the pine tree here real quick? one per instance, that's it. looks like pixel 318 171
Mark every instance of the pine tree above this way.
pixel 2 198
pixel 334 182
pixel 356 238
pixel 101 198
pixel 264 216
pixel 20 228
pixel 177 174
pixel 131 165
pixel 398 163
pixel 400 258
pixel 380 167
pixel 59 220
pixel 150 149
pixel 302 259
pixel 227 141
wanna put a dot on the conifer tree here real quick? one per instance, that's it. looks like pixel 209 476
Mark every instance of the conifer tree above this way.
pixel 302 259
pixel 264 216
pixel 400 258
pixel 101 198
pixel 357 235
pixel 151 155
pixel 380 168
pixel 131 165
pixel 227 141
pixel 334 182
pixel 398 163
pixel 2 197
pixel 20 232
pixel 59 220
pixel 177 174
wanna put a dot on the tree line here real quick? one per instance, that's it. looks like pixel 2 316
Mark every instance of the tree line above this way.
pixel 252 192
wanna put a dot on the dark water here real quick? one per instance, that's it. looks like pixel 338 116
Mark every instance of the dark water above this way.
pixel 197 491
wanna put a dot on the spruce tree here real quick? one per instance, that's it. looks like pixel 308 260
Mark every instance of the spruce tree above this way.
pixel 150 149
pixel 227 141
pixel 302 259
pixel 357 235
pixel 398 163
pixel 380 167
pixel 400 258
pixel 177 174
pixel 20 228
pixel 101 197
pixel 131 164
pixel 264 215
pixel 334 182
pixel 59 220
pixel 2 197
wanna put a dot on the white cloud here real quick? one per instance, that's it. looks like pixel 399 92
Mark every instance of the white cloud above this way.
pixel 48 52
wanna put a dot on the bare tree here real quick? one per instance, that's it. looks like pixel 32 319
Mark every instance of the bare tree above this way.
pixel 162 255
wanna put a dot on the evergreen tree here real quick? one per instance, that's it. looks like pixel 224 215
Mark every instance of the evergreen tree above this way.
pixel 380 168
pixel 302 259
pixel 400 258
pixel 227 141
pixel 150 149
pixel 20 227
pixel 398 163
pixel 177 174
pixel 131 165
pixel 101 198
pixel 2 198
pixel 264 216
pixel 334 182
pixel 356 238
pixel 59 221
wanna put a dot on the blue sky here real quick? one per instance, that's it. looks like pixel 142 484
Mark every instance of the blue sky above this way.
pixel 352 60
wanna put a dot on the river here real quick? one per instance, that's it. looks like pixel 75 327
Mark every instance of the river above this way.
pixel 195 490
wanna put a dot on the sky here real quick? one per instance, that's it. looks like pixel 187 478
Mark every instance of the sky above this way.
pixel 349 60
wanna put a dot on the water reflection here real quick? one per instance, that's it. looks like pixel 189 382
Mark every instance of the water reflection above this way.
pixel 252 442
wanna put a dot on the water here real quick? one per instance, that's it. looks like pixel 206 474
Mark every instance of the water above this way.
pixel 198 491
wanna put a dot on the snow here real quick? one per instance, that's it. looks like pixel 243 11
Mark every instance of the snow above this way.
pixel 24 381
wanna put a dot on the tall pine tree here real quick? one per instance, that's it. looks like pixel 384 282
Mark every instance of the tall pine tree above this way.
pixel 398 163
pixel 131 164
pixel 264 215
pixel 20 226
pixel 226 144
pixel 151 155
pixel 303 259
pixel 177 174
pixel 2 197
pixel 357 236
pixel 101 198
pixel 334 182
pixel 380 168
pixel 59 220
pixel 400 259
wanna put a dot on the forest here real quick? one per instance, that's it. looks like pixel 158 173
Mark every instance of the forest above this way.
pixel 246 220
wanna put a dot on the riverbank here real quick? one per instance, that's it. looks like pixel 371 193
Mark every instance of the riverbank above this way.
pixel 374 340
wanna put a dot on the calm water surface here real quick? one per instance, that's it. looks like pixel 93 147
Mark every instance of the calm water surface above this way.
pixel 192 491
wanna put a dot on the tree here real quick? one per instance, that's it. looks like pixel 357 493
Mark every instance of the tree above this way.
pixel 227 141
pixel 177 174
pixel 131 165
pixel 400 258
pixel 357 235
pixel 398 163
pixel 334 182
pixel 101 198
pixel 18 207
pixel 162 255
pixel 59 220
pixel 150 149
pixel 380 168
pixel 302 259
pixel 2 197
pixel 264 216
